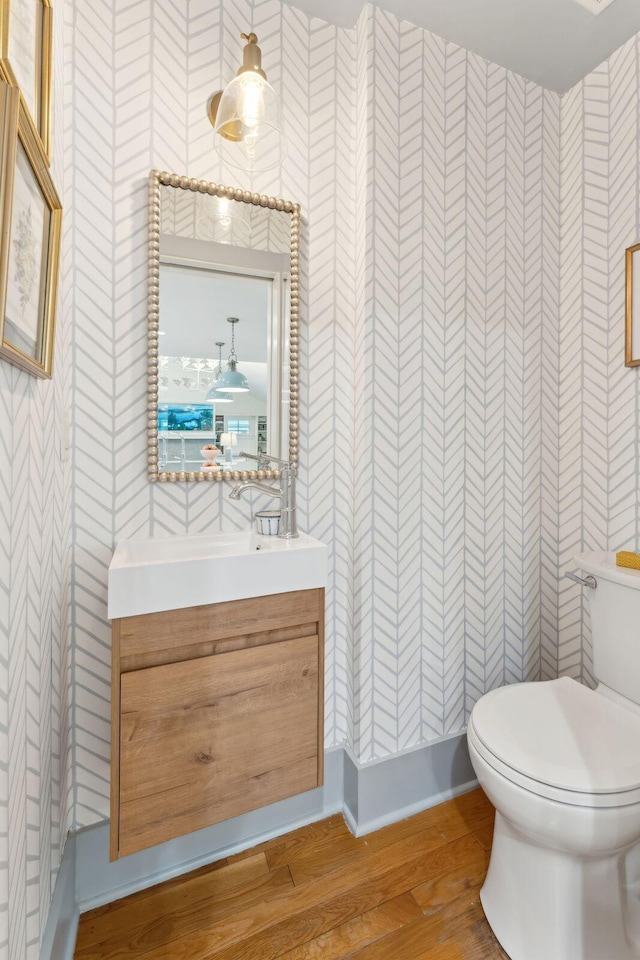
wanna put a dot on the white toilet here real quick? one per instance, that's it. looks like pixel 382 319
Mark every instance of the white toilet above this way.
pixel 561 764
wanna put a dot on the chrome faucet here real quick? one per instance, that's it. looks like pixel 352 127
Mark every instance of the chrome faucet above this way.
pixel 286 492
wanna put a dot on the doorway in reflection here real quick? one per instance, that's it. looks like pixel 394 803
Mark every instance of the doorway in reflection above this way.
pixel 197 301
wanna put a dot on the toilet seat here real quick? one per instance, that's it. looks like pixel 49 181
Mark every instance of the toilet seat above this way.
pixel 560 740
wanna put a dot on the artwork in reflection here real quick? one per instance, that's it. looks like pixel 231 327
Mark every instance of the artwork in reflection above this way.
pixel 185 417
pixel 223 333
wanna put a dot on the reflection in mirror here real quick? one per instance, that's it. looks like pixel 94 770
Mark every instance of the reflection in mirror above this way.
pixel 220 348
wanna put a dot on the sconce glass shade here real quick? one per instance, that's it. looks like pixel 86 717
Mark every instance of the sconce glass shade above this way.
pixel 232 381
pixel 212 395
pixel 248 126
pixel 223 220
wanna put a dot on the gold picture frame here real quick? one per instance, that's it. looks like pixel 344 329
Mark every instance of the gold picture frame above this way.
pixel 632 321
pixel 9 104
pixel 29 247
pixel 36 97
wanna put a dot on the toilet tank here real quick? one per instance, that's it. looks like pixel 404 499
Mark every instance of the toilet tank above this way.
pixel 615 623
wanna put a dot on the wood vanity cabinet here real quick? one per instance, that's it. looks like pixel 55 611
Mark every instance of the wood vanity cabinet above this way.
pixel 216 710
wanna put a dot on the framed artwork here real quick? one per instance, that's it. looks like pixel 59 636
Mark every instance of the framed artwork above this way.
pixel 29 254
pixel 632 325
pixel 9 104
pixel 26 55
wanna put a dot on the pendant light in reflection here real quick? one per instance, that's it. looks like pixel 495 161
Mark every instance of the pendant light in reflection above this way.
pixel 212 395
pixel 232 381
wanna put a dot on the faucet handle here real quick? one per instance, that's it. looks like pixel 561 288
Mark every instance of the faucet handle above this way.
pixel 259 457
pixel 265 458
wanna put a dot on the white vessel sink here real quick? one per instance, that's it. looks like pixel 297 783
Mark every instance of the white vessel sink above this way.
pixel 146 576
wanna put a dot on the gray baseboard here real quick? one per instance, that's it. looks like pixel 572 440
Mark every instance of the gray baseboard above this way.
pixel 393 788
pixel 370 796
pixel 59 939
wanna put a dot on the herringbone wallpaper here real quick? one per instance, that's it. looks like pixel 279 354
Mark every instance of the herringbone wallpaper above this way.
pixel 429 246
pixel 461 373
pixel 467 421
pixel 35 577
pixel 142 76
pixel 454 592
pixel 599 400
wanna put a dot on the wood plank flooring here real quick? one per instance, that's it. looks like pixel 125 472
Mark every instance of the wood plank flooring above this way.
pixel 407 892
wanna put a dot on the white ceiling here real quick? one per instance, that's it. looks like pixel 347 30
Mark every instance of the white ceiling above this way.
pixel 195 304
pixel 553 42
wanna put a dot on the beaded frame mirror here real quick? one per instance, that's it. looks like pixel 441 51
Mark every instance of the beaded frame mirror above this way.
pixel 156 467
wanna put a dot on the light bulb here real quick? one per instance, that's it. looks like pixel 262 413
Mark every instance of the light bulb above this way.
pixel 225 218
pixel 251 103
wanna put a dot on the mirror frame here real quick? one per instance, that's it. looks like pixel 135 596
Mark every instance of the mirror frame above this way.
pixel 156 181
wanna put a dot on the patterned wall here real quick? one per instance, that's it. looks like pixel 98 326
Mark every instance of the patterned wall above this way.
pixel 436 560
pixel 35 577
pixel 462 199
pixel 142 75
pixel 436 380
pixel 453 432
pixel 599 402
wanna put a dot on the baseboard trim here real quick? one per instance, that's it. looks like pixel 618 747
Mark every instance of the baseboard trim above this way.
pixel 370 796
pixel 394 788
pixel 61 930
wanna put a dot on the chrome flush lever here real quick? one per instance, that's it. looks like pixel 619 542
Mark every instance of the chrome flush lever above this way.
pixel 586 582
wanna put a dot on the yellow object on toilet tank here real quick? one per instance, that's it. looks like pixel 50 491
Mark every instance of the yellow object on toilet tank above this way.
pixel 627 559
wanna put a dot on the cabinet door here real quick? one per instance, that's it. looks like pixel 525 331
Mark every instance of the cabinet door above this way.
pixel 208 739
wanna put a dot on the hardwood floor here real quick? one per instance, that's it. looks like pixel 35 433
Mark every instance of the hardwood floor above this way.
pixel 407 892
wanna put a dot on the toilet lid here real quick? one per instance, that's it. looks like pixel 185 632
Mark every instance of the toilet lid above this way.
pixel 562 734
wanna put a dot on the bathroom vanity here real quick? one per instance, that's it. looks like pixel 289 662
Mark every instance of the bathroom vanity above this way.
pixel 217 708
pixel 218 640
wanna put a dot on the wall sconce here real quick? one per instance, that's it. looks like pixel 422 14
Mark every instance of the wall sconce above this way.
pixel 246 116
